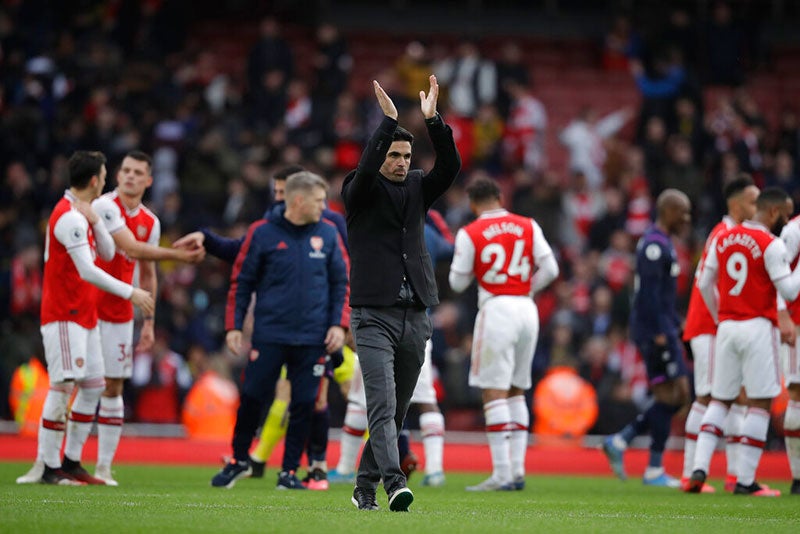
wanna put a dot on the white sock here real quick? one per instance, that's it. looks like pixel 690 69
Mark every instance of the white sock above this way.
pixel 432 429
pixel 692 429
pixel 498 423
pixel 751 445
pixel 109 428
pixel 733 431
pixel 791 429
pixel 520 420
pixel 53 424
pixel 710 432
pixel 81 417
pixel 355 424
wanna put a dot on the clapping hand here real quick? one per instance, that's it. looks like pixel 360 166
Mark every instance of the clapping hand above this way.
pixel 428 102
pixel 387 106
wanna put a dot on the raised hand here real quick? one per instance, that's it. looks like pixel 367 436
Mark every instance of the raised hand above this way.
pixel 387 106
pixel 428 102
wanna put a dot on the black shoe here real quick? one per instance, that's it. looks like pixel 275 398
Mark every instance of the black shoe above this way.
pixel 288 480
pixel 76 471
pixel 696 481
pixel 756 490
pixel 232 472
pixel 364 499
pixel 795 487
pixel 57 477
pixel 257 468
pixel 400 499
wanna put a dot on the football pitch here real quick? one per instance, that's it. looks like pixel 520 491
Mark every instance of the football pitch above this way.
pixel 162 499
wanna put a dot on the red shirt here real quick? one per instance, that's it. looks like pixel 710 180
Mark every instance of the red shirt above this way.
pixel 698 318
pixel 141 222
pixel 65 295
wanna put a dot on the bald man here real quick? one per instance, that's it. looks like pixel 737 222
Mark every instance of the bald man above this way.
pixel 655 327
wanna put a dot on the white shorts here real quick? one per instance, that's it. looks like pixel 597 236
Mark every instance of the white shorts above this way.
pixel 423 392
pixel 703 352
pixel 791 363
pixel 72 352
pixel 117 340
pixel 505 335
pixel 746 354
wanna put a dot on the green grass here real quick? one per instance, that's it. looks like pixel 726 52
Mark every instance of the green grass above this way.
pixel 157 499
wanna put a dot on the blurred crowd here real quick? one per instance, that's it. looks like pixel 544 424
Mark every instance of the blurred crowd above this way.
pixel 117 76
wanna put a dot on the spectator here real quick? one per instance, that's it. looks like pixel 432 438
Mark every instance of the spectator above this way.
pixel 160 381
pixel 584 138
pixel 470 79
pixel 526 129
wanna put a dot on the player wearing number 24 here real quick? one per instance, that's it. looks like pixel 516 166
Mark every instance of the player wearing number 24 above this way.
pixel 511 260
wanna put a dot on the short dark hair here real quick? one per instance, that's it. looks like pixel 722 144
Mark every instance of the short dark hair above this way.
pixel 401 134
pixel 285 172
pixel 771 196
pixel 483 189
pixel 83 164
pixel 138 155
pixel 737 185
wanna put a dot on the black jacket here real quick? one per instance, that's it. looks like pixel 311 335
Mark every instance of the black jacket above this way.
pixel 387 242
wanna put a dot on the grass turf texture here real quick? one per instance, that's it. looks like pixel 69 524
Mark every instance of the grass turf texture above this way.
pixel 180 499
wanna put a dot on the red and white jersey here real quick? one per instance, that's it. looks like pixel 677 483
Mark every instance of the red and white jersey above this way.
pixel 698 318
pixel 65 295
pixel 748 258
pixel 791 237
pixel 146 227
pixel 502 250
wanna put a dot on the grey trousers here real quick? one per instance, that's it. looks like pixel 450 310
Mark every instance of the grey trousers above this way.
pixel 391 348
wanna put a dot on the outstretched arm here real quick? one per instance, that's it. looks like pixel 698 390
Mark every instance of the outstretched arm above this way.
pixel 448 161
pixel 355 191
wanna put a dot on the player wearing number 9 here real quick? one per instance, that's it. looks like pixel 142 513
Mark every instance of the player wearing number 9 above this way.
pixel 748 266
pixel 511 259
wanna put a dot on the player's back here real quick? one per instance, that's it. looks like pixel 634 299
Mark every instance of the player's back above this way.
pixel 745 288
pixel 65 295
pixel 504 252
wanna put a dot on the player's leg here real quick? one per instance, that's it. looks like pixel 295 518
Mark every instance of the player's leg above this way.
pixel 317 478
pixel 527 336
pixel 353 430
pixel 733 434
pixel 274 428
pixel 791 419
pixel 305 368
pixel 493 336
pixel 117 346
pixel 669 398
pixel 761 372
pixel 258 387
pixel 615 445
pixel 431 422
pixel 703 351
pixel 53 421
pixel 90 382
pixel 726 381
